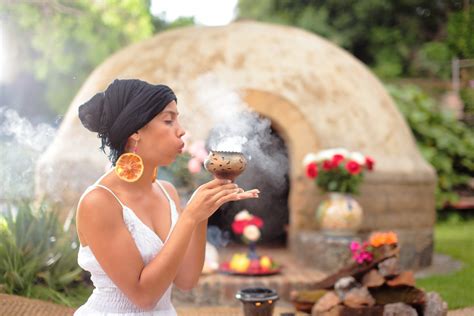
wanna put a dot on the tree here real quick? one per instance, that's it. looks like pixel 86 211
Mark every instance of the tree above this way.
pixel 58 43
pixel 461 30
pixel 386 35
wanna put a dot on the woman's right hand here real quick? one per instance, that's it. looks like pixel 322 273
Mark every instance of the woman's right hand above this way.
pixel 210 196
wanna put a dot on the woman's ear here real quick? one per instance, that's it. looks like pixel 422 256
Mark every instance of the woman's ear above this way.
pixel 135 137
pixel 132 140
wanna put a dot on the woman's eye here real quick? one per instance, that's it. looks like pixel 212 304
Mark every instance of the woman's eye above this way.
pixel 169 122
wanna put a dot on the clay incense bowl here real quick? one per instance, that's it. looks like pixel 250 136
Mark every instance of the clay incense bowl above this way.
pixel 257 301
pixel 225 164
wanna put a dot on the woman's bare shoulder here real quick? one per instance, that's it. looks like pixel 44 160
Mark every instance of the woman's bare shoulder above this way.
pixel 98 207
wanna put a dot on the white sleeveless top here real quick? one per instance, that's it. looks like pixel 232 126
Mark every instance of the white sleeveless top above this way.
pixel 107 298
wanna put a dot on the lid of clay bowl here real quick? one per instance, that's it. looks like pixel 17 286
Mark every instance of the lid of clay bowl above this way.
pixel 256 294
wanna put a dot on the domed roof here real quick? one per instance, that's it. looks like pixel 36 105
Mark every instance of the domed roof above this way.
pixel 344 104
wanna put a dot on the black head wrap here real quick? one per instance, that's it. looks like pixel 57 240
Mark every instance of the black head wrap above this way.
pixel 121 110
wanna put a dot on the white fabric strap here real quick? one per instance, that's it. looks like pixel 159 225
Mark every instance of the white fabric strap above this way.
pixel 164 191
pixel 111 192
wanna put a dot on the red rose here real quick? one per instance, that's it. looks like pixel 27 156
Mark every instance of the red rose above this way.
pixel 369 162
pixel 239 226
pixel 257 221
pixel 312 170
pixel 337 159
pixel 327 165
pixel 353 167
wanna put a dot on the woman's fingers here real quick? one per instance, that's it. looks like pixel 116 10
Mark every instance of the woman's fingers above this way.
pixel 239 194
pixel 212 192
pixel 216 183
pixel 227 198
pixel 251 194
pixel 224 193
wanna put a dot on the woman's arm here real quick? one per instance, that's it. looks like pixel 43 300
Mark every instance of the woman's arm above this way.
pixel 191 267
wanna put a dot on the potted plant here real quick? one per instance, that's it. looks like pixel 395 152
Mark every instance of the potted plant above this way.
pixel 338 173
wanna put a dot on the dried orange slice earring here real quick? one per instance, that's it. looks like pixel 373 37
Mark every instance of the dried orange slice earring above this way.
pixel 129 166
pixel 155 173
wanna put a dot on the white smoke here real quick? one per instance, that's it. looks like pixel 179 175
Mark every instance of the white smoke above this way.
pixel 21 144
pixel 235 127
pixel 232 143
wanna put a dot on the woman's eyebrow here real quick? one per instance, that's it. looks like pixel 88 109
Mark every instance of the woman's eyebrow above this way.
pixel 170 112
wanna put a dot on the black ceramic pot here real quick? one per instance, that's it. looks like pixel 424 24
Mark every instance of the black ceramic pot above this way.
pixel 257 301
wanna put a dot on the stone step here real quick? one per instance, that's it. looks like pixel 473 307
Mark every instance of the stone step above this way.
pixel 219 289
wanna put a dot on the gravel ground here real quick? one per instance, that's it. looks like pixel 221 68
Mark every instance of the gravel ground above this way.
pixel 469 311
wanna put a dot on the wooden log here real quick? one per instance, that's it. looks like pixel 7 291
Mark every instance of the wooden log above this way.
pixel 355 270
pixel 404 294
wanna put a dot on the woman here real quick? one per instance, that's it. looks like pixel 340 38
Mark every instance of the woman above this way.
pixel 135 240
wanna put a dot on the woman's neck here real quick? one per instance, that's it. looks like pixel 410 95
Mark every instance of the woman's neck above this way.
pixel 144 183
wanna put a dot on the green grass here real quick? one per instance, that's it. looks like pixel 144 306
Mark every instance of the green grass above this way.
pixel 457 241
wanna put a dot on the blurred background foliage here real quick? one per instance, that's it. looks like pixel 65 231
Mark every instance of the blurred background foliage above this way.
pixel 445 142
pixel 395 38
pixel 39 256
pixel 57 44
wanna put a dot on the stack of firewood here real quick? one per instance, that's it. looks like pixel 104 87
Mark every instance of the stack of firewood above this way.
pixel 376 288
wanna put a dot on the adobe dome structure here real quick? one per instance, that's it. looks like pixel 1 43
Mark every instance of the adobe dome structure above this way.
pixel 316 95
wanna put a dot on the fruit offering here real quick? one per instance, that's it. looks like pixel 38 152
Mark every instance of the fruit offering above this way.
pixel 242 264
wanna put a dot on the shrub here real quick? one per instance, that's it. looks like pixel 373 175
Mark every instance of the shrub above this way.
pixel 445 142
pixel 38 258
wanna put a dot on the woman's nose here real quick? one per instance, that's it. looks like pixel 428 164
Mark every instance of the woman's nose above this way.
pixel 181 132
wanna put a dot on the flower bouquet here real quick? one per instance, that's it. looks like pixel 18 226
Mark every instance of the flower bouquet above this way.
pixel 248 227
pixel 339 173
pixel 378 245
pixel 337 170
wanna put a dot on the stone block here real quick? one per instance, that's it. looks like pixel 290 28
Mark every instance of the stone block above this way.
pixel 328 254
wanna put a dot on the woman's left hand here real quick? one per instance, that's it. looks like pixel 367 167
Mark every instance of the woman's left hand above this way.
pixel 250 194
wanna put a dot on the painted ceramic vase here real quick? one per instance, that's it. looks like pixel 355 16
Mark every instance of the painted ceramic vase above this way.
pixel 339 215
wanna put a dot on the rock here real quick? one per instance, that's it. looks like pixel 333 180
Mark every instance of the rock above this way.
pixel 405 278
pixel 434 305
pixel 344 285
pixel 341 310
pixel 399 309
pixel 325 303
pixel 389 267
pixel 373 279
pixel 359 297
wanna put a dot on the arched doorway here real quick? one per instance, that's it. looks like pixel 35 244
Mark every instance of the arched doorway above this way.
pixel 272 179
